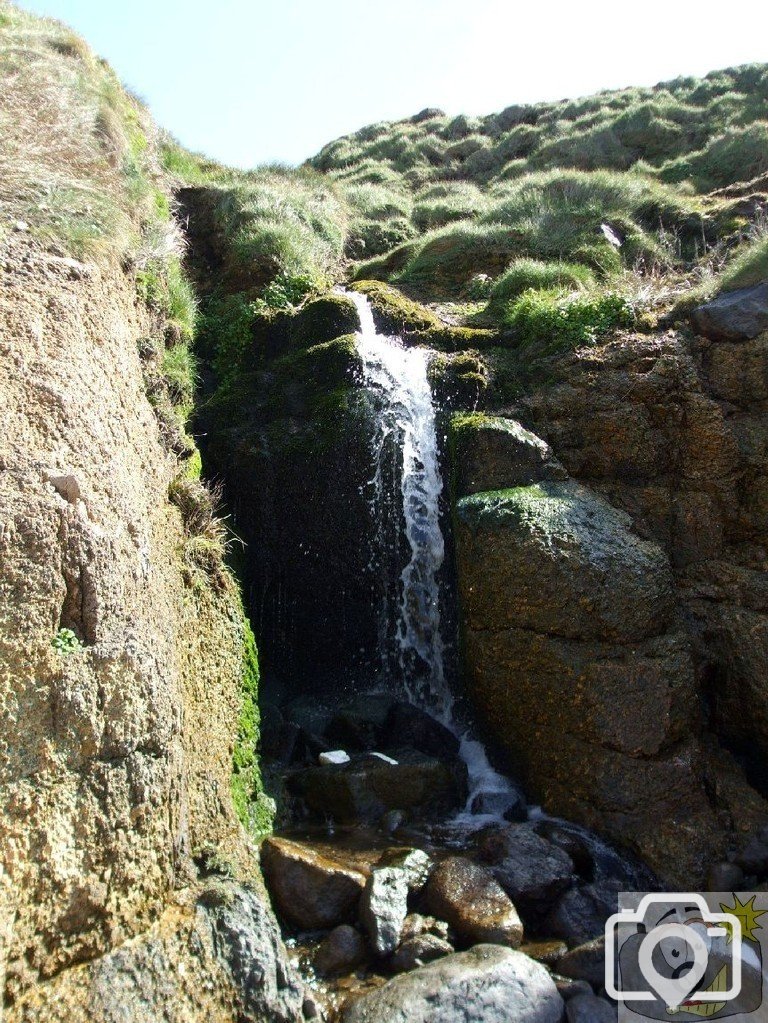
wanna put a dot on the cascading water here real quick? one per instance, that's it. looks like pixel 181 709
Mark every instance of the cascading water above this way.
pixel 406 490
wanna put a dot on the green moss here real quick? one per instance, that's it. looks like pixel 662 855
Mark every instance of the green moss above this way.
pixel 516 503
pixel 396 314
pixel 254 808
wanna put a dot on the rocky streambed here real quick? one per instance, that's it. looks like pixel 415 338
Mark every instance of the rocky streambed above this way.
pixel 399 899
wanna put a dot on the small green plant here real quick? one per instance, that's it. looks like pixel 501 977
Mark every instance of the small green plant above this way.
pixel 562 321
pixel 288 290
pixel 66 642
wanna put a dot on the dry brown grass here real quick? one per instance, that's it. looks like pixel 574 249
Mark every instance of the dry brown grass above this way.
pixel 71 140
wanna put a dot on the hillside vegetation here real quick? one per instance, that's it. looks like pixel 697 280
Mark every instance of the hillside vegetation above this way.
pixel 574 217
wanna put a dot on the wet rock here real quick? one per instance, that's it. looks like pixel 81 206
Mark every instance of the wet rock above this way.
pixel 580 914
pixel 530 869
pixel 734 315
pixel 468 897
pixel 392 820
pixel 547 952
pixel 414 863
pixel 309 890
pixel 368 787
pixel 725 877
pixel 247 939
pixel 569 988
pixel 374 707
pixel 508 804
pixel 753 858
pixel 353 731
pixel 410 726
pixel 585 962
pixel 572 844
pixel 340 951
pixel 416 924
pixel 384 907
pixel 488 984
pixel 493 453
pixel 308 713
pixel 588 1008
pixel 418 951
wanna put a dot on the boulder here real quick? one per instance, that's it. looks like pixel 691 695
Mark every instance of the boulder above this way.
pixel 384 907
pixel 492 453
pixel 508 804
pixel 340 951
pixel 532 871
pixel 568 987
pixel 310 891
pixel 753 858
pixel 368 787
pixel 579 915
pixel 588 1008
pixel 585 962
pixel 414 863
pixel 571 843
pixel 410 726
pixel 579 570
pixel 725 877
pixel 734 315
pixel 580 669
pixel 488 984
pixel 418 951
pixel 473 903
pixel 246 938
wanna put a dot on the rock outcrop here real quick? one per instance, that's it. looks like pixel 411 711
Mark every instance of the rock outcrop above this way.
pixel 113 664
pixel 615 627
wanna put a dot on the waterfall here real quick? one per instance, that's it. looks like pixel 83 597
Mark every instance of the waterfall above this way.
pixel 405 501
pixel 406 489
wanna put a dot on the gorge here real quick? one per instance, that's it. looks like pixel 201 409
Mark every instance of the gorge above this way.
pixel 382 549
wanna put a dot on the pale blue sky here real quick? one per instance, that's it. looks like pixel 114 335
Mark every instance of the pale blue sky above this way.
pixel 250 81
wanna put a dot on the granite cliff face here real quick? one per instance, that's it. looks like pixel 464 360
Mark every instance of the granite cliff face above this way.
pixel 614 626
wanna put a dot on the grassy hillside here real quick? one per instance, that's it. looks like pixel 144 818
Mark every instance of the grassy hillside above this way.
pixel 675 173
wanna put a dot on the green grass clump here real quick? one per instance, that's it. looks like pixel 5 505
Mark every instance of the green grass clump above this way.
pixel 749 267
pixel 562 322
pixel 443 204
pixel 739 154
pixel 525 274
pixel 558 214
pixel 163 286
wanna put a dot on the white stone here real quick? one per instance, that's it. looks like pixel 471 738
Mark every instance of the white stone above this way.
pixel 334 756
pixel 385 758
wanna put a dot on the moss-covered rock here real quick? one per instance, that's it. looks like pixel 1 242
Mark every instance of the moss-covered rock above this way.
pixel 291 437
pixel 393 313
pixel 316 322
pixel 458 380
pixel 493 453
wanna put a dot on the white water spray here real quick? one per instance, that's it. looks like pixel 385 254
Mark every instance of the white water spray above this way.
pixel 410 615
